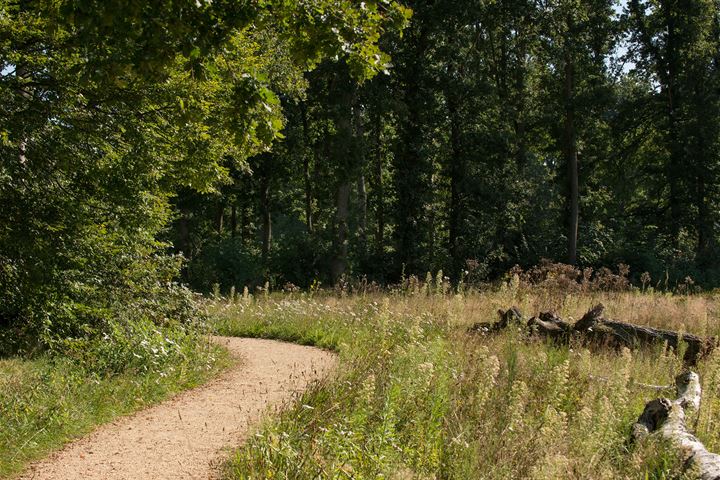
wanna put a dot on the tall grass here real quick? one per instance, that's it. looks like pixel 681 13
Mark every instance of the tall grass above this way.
pixel 417 397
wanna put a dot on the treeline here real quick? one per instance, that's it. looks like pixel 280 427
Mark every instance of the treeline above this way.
pixel 504 133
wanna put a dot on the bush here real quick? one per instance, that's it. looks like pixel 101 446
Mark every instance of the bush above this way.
pixel 296 257
pixel 227 262
pixel 568 278
pixel 129 300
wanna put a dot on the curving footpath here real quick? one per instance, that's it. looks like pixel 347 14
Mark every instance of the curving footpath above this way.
pixel 189 435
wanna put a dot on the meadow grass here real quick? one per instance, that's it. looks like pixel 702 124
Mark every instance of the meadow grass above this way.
pixel 49 400
pixel 416 397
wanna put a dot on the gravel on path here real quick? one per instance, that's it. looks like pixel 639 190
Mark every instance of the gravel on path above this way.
pixel 191 434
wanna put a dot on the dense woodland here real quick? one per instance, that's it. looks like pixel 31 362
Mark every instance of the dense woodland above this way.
pixel 503 133
pixel 236 143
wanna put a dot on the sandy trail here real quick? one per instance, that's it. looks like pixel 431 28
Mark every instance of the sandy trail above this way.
pixel 188 436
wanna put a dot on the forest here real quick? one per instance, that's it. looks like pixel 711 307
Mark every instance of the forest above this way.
pixel 307 144
pixel 378 179
pixel 501 134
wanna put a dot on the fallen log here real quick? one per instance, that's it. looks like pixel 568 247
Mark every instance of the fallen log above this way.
pixel 668 419
pixel 550 325
pixel 593 326
pixel 661 416
pixel 620 334
pixel 511 316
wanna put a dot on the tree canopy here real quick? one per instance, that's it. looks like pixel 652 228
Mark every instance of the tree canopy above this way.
pixel 108 109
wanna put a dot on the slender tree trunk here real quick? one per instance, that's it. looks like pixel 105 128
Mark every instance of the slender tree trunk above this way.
pixel 220 217
pixel 306 169
pixel 244 225
pixel 412 167
pixel 183 245
pixel 344 150
pixel 362 226
pixel 22 74
pixel 457 170
pixel 675 160
pixel 342 213
pixel 520 107
pixel 233 219
pixel 432 230
pixel 702 220
pixel 358 144
pixel 571 155
pixel 266 219
pixel 379 190
pixel 705 222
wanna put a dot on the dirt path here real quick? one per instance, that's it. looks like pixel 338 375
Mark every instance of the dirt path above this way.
pixel 187 437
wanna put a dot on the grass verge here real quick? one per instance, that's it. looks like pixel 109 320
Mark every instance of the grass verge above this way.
pixel 46 402
pixel 416 397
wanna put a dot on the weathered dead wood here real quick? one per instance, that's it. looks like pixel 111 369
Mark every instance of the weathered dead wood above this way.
pixel 509 317
pixel 550 325
pixel 662 416
pixel 593 326
pixel 620 334
pixel 667 418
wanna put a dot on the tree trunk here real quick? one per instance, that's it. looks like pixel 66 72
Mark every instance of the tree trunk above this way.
pixel 358 144
pixel 520 101
pixel 571 155
pixel 675 149
pixel 457 171
pixel 413 168
pixel 362 211
pixel 233 219
pixel 345 153
pixel 244 225
pixel 704 222
pixel 220 217
pixel 22 74
pixel 379 190
pixel 306 169
pixel 266 219
pixel 342 213
pixel 595 329
pixel 668 419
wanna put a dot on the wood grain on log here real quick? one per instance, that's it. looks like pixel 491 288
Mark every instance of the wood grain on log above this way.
pixel 550 325
pixel 667 418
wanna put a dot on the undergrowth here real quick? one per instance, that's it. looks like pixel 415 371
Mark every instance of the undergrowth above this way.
pixel 416 397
